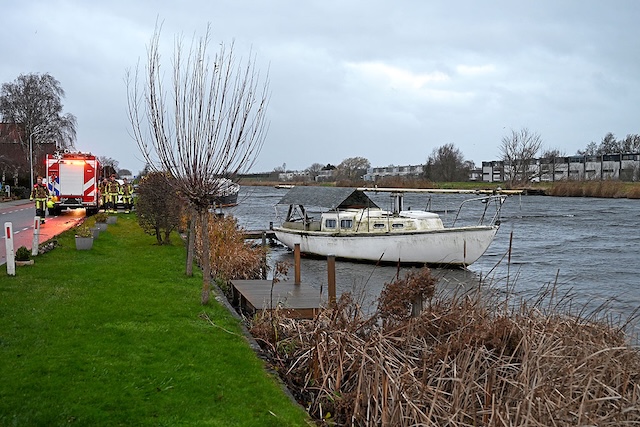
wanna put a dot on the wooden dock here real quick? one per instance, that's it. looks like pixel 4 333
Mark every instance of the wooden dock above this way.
pixel 292 300
pixel 259 234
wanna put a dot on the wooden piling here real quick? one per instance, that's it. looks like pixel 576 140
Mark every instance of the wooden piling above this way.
pixel 296 263
pixel 331 278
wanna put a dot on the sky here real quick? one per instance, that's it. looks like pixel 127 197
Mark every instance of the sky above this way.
pixel 389 81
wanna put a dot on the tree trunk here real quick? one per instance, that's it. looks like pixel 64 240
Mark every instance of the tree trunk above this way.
pixel 191 240
pixel 204 257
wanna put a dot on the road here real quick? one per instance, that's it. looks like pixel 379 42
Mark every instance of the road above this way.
pixel 21 213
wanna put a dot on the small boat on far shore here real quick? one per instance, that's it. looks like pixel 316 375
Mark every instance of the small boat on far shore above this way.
pixel 227 193
pixel 351 226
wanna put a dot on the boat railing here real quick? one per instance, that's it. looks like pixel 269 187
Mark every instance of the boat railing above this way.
pixel 495 201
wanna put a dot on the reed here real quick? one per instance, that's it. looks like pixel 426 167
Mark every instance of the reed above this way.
pixel 466 360
pixel 607 188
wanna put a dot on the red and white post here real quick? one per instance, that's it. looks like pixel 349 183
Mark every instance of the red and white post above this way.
pixel 36 236
pixel 11 256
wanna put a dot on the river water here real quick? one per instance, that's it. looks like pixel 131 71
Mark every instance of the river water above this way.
pixel 589 248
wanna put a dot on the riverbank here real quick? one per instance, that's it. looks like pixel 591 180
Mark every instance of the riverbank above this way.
pixel 601 189
pixel 116 336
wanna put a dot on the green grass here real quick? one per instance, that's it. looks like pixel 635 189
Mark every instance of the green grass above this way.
pixel 116 336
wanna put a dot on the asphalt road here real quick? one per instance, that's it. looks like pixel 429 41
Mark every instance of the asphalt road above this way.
pixel 20 214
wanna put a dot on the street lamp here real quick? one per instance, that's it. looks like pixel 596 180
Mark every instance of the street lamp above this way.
pixel 31 157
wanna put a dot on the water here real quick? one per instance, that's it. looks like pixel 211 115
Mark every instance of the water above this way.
pixel 588 247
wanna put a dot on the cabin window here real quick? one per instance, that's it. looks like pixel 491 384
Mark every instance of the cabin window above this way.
pixel 378 225
pixel 397 226
pixel 330 223
pixel 346 223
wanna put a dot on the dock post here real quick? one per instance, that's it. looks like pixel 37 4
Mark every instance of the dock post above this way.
pixel 296 263
pixel 331 278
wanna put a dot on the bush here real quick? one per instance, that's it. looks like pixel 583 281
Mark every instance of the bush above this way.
pixel 20 192
pixel 101 217
pixel 23 254
pixel 158 206
pixel 231 257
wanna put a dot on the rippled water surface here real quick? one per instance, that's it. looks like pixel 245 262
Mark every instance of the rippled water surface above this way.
pixel 589 247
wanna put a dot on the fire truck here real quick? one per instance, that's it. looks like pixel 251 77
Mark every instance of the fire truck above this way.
pixel 73 180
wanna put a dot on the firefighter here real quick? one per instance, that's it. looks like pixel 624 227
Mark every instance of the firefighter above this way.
pixel 113 189
pixel 40 193
pixel 104 197
pixel 126 190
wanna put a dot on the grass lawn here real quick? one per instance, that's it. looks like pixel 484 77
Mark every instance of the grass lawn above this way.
pixel 116 336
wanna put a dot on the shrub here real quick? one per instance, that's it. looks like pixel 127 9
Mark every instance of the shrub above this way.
pixel 20 192
pixel 101 217
pixel 23 254
pixel 230 255
pixel 158 206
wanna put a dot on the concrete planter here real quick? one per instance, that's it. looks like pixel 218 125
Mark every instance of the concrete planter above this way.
pixel 20 263
pixel 112 219
pixel 102 226
pixel 84 243
pixel 95 231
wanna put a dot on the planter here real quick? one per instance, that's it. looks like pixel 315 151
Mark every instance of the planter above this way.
pixel 95 231
pixel 112 219
pixel 19 263
pixel 84 243
pixel 102 226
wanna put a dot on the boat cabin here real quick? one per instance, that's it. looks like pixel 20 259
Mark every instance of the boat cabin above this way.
pixel 349 210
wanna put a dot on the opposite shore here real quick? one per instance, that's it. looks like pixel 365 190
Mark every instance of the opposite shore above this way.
pixel 601 189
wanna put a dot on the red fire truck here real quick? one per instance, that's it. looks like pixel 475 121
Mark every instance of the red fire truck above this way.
pixel 73 180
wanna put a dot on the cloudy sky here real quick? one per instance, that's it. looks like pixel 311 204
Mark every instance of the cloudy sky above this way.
pixel 385 80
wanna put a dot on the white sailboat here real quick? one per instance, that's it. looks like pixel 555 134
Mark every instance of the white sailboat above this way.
pixel 353 227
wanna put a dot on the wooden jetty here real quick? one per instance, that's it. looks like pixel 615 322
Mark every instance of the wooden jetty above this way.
pixel 291 298
pixel 259 234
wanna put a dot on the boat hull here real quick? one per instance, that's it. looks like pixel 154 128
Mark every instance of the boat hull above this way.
pixel 226 200
pixel 460 246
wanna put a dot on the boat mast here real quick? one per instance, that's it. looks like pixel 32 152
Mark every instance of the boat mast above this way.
pixel 397 202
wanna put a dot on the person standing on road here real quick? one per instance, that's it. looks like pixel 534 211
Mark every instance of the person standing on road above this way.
pixel 40 193
pixel 126 190
pixel 113 189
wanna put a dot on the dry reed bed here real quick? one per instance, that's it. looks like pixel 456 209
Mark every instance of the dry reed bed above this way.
pixel 463 362
pixel 606 188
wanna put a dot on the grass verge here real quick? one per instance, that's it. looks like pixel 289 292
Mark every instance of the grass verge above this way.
pixel 116 336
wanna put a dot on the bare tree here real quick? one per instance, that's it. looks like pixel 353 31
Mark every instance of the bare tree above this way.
pixel 519 150
pixel 34 102
pixel 109 165
pixel 314 170
pixel 552 153
pixel 211 127
pixel 353 168
pixel 447 164
pixel 631 144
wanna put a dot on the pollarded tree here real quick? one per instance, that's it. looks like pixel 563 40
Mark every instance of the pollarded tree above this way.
pixel 447 164
pixel 34 101
pixel 519 150
pixel 208 125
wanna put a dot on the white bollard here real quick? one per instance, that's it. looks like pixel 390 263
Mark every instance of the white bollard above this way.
pixel 11 256
pixel 36 236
